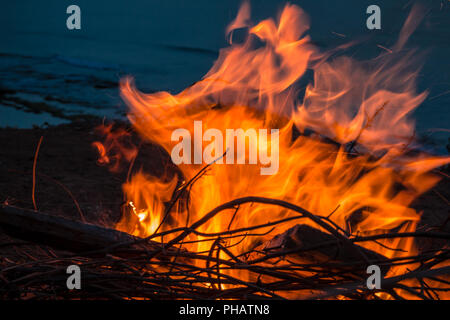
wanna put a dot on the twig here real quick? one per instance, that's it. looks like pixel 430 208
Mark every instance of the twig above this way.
pixel 34 173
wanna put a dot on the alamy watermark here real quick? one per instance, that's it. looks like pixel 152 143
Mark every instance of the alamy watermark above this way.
pixel 74 280
pixel 262 148
pixel 374 20
pixel 74 20
pixel 374 280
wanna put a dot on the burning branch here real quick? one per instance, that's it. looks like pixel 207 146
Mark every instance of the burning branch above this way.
pixel 118 265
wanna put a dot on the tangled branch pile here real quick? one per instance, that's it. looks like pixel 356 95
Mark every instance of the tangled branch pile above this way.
pixel 304 263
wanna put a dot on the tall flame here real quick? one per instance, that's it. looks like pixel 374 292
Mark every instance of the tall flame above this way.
pixel 343 140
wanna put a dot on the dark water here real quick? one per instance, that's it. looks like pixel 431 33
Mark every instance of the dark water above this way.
pixel 51 74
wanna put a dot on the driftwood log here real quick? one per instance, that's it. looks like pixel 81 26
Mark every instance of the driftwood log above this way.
pixel 62 233
pixel 305 244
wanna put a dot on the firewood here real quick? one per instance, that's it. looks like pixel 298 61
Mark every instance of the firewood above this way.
pixel 305 244
pixel 60 232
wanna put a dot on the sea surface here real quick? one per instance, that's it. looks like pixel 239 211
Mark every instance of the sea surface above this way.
pixel 52 75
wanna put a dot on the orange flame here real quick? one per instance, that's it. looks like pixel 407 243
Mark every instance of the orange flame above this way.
pixel 116 149
pixel 255 84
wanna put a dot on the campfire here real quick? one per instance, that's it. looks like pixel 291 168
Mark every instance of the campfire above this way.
pixel 293 173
